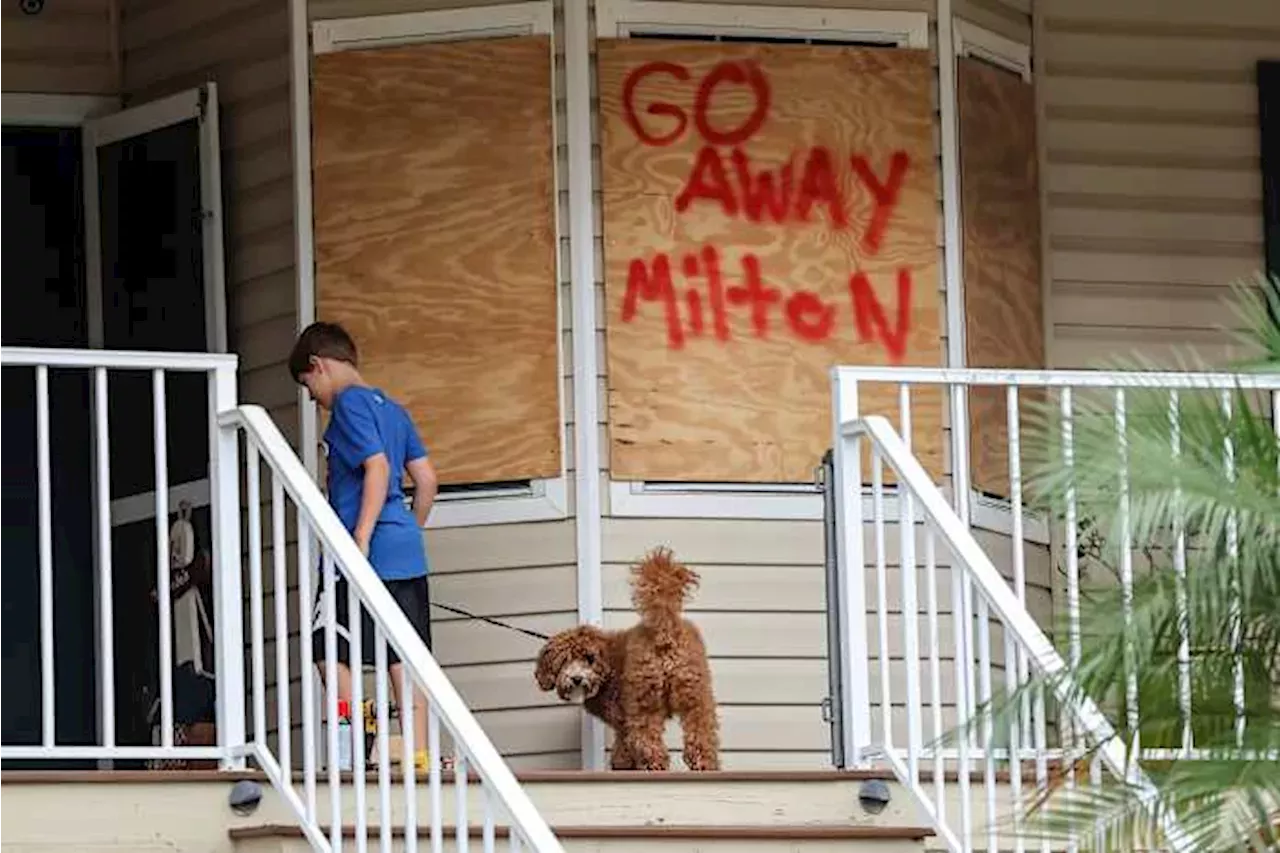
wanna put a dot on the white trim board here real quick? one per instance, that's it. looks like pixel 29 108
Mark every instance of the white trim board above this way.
pixel 142 506
pixel 33 109
pixel 622 18
pixel 800 502
pixel 545 499
pixel 978 42
pixel 507 19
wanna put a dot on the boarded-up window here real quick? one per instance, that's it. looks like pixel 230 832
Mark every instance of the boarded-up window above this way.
pixel 769 212
pixel 435 242
pixel 1004 320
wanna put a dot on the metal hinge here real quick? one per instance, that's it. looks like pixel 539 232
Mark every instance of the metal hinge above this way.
pixel 827 714
pixel 202 103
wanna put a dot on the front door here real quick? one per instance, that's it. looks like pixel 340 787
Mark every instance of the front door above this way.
pixel 155 265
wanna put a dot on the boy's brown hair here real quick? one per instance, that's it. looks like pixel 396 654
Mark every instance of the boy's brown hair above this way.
pixel 321 340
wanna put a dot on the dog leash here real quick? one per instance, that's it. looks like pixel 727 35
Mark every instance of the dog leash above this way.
pixel 491 621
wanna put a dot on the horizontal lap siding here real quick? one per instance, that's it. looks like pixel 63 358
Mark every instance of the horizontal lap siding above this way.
pixel 522 573
pixel 1154 184
pixel 67 49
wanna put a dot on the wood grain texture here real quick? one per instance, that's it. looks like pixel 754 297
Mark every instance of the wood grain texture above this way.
pixel 435 242
pixel 754 408
pixel 1003 300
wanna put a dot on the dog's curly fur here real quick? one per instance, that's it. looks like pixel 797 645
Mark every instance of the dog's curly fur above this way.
pixel 635 680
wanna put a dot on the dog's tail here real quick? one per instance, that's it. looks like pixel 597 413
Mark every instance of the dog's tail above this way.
pixel 659 587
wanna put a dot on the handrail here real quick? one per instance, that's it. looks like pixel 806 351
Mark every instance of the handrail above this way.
pixel 995 590
pixel 979 376
pixel 259 427
pixel 115 359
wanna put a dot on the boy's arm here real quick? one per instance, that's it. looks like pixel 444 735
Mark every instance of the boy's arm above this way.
pixel 359 443
pixel 377 474
pixel 425 486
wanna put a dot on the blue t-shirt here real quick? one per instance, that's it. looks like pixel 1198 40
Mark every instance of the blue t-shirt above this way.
pixel 363 422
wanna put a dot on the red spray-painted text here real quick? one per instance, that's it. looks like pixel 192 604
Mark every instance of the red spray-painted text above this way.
pixel 809 181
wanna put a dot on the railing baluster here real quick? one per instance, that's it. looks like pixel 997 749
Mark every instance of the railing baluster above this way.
pixel 164 598
pixel 910 599
pixel 963 665
pixel 307 612
pixel 1233 557
pixel 1180 582
pixel 433 771
pixel 1126 571
pixel 44 490
pixel 280 581
pixel 1014 428
pixel 410 769
pixel 488 831
pixel 935 668
pixel 1073 580
pixel 1011 683
pixel 331 699
pixel 1042 752
pixel 253 499
pixel 988 728
pixel 106 606
pixel 355 662
pixel 882 585
pixel 463 830
pixel 382 703
pixel 1015 659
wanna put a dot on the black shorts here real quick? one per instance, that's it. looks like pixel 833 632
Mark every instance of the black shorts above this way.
pixel 410 594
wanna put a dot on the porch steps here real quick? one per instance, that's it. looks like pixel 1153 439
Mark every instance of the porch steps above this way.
pixel 635 839
pixel 724 812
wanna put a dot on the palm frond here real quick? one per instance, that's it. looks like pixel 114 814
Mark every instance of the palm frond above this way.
pixel 1193 484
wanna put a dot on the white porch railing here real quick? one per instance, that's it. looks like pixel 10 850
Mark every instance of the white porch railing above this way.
pixel 992 634
pixel 267 740
pixel 102 366
pixel 318 525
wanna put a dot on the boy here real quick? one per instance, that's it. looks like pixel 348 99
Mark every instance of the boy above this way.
pixel 369 444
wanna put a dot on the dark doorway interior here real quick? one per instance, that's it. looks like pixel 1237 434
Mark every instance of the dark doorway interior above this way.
pixel 153 299
pixel 44 305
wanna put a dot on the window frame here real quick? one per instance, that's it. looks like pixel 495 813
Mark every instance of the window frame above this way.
pixel 545 499
pixel 628 18
pixel 793 501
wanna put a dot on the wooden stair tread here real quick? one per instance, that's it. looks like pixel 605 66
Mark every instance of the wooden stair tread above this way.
pixel 50 777
pixel 710 831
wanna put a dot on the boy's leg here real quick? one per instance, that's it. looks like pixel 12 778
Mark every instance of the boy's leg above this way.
pixel 320 648
pixel 411 595
pixel 420 710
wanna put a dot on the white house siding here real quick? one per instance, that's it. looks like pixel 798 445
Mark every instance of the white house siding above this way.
pixel 1154 207
pixel 68 49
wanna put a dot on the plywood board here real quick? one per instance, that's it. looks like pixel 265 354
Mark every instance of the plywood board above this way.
pixel 779 223
pixel 435 242
pixel 1003 300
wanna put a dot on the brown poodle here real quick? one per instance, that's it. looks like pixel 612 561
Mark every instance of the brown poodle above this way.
pixel 635 680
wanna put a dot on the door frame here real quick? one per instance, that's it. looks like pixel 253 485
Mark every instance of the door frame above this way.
pixel 201 104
